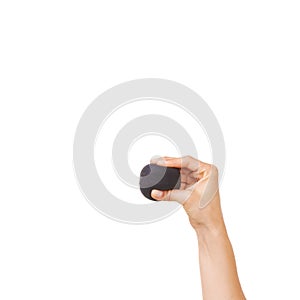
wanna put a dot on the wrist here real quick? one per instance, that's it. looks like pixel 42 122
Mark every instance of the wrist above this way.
pixel 213 229
pixel 211 217
pixel 212 222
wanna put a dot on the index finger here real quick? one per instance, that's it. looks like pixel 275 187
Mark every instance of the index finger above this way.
pixel 187 162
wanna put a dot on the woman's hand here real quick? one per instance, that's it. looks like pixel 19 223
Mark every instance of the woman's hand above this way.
pixel 198 193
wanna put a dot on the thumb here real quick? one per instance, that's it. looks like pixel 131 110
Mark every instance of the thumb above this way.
pixel 179 196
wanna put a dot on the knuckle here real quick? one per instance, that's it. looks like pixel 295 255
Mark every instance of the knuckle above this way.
pixel 214 169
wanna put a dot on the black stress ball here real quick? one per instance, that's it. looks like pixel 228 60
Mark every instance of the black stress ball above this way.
pixel 154 177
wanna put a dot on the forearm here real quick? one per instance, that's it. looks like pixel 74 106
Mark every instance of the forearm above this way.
pixel 217 263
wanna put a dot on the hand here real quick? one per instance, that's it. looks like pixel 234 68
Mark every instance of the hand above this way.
pixel 198 193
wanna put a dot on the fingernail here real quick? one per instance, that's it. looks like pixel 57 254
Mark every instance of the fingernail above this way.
pixel 155 157
pixel 157 194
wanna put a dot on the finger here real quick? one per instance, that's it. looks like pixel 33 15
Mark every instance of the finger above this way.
pixel 179 196
pixel 157 158
pixel 188 179
pixel 183 185
pixel 160 195
pixel 199 174
pixel 181 162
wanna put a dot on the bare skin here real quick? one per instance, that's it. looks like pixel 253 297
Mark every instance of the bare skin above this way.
pixel 199 196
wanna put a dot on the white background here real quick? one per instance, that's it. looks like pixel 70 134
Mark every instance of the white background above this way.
pixel 242 57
